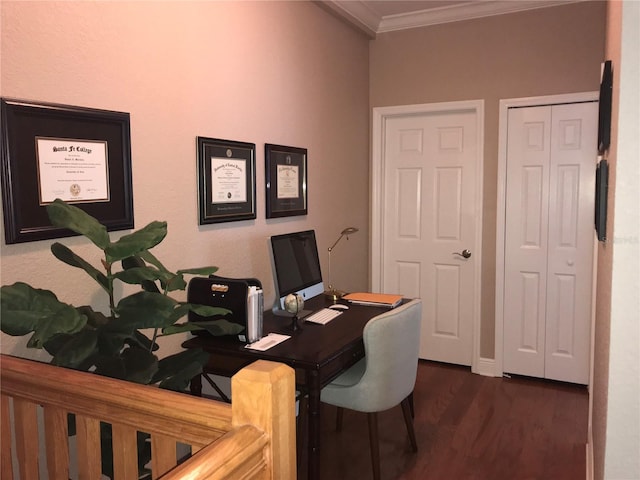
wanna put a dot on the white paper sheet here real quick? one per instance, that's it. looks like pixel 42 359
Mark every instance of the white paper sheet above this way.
pixel 265 343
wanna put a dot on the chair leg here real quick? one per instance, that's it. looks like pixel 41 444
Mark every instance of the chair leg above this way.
pixel 406 411
pixel 224 397
pixel 339 416
pixel 373 441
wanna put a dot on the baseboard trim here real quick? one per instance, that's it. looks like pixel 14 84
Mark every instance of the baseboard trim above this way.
pixel 589 466
pixel 486 367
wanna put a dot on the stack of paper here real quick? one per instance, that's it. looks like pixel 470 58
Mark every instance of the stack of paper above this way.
pixel 374 299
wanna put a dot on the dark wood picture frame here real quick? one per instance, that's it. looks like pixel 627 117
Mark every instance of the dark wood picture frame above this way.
pixel 226 180
pixel 286 180
pixel 602 191
pixel 604 107
pixel 24 125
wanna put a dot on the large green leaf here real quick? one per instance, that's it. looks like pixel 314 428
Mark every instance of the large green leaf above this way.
pixel 135 261
pixel 221 327
pixel 180 311
pixel 146 310
pixel 64 215
pixel 202 310
pixel 181 328
pixel 149 257
pixel 111 339
pixel 55 343
pixel 176 371
pixel 94 319
pixel 141 340
pixel 176 282
pixel 199 271
pixel 207 310
pixel 136 242
pixel 173 281
pixel 26 309
pixel 133 364
pixel 181 380
pixel 76 349
pixel 140 275
pixel 214 327
pixel 140 365
pixel 64 254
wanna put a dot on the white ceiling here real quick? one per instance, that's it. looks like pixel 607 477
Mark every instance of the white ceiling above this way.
pixel 376 16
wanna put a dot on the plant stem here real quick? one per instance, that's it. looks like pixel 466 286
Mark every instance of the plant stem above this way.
pixel 153 340
pixel 112 305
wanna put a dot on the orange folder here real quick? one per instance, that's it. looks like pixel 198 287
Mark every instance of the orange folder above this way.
pixel 374 299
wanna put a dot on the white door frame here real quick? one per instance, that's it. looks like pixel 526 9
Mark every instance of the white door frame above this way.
pixel 505 104
pixel 380 116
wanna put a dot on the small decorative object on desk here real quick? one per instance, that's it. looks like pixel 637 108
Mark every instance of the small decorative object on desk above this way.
pixel 294 303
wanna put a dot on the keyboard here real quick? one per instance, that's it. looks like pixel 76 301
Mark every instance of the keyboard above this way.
pixel 323 316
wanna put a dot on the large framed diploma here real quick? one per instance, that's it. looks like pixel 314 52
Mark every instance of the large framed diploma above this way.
pixel 286 180
pixel 80 155
pixel 226 180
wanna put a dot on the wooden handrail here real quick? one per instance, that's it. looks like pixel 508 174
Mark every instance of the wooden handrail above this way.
pixel 256 433
pixel 238 453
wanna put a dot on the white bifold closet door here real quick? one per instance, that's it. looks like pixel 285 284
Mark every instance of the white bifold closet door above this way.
pixel 549 240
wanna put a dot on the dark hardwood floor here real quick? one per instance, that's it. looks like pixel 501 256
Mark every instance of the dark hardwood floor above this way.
pixel 468 427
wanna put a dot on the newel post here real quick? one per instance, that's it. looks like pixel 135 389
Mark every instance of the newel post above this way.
pixel 263 395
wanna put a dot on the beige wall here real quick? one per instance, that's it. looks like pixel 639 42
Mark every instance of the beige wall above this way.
pixel 615 409
pixel 262 72
pixel 540 52
pixel 602 326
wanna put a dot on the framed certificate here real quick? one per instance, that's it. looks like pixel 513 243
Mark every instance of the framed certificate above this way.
pixel 226 180
pixel 80 155
pixel 286 180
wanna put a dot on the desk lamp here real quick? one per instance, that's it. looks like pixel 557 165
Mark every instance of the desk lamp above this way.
pixel 331 292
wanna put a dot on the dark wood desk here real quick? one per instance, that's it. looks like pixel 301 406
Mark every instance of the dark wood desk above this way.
pixel 318 353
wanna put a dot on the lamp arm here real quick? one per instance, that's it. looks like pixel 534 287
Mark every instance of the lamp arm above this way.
pixel 335 243
pixel 329 272
pixel 331 292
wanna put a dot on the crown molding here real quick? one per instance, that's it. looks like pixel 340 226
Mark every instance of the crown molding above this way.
pixel 459 12
pixel 355 12
pixel 358 13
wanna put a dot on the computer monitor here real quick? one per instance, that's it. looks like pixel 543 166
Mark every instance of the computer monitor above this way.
pixel 296 267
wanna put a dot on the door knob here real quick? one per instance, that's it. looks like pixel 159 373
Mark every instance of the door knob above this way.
pixel 466 253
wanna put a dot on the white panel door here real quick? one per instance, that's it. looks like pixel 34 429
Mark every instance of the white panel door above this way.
pixel 549 240
pixel 526 222
pixel 430 168
pixel 570 262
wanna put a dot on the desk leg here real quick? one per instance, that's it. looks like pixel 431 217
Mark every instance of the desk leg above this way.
pixel 195 386
pixel 314 424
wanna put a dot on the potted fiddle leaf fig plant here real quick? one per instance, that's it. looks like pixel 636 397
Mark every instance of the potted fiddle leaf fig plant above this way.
pixel 114 343
pixel 122 342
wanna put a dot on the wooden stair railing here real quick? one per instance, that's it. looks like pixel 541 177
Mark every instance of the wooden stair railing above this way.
pixel 254 437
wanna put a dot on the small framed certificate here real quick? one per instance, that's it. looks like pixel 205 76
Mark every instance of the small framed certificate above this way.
pixel 77 154
pixel 226 180
pixel 286 180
